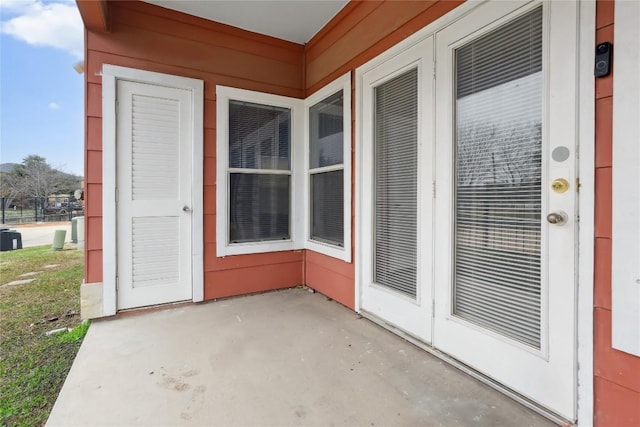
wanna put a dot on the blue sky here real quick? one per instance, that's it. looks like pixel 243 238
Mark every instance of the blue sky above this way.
pixel 41 95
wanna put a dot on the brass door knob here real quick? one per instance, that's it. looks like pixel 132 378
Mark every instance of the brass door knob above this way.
pixel 557 218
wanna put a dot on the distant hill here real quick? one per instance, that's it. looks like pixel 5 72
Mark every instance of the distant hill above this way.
pixel 7 167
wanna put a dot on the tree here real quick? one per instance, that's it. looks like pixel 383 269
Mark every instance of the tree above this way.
pixel 10 188
pixel 34 177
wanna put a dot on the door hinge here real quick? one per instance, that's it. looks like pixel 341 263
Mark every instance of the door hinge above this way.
pixel 117 107
pixel 117 195
pixel 117 283
pixel 433 308
pixel 434 69
pixel 433 189
pixel 577 185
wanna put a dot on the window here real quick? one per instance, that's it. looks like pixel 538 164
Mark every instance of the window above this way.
pixel 326 166
pixel 329 173
pixel 258 191
pixel 259 172
pixel 283 174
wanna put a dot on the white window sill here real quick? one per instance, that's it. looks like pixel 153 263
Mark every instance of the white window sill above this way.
pixel 341 253
pixel 258 247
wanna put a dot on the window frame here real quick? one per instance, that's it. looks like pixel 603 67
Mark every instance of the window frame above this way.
pixel 342 83
pixel 296 227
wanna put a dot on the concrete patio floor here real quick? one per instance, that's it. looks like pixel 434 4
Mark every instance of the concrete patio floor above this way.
pixel 281 358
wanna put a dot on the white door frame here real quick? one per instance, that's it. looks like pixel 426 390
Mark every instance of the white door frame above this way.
pixel 110 75
pixel 585 172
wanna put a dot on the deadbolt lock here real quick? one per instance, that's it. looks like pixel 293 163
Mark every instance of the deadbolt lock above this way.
pixel 560 185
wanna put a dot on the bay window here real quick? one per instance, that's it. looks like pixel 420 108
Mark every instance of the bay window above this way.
pixel 283 174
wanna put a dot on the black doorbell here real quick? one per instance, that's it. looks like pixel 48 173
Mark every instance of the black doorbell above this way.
pixel 603 59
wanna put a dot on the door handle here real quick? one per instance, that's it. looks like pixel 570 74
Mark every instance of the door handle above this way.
pixel 557 218
pixel 186 208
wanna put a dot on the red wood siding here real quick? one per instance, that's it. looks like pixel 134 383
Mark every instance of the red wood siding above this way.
pixel 151 38
pixel 360 32
pixel 617 374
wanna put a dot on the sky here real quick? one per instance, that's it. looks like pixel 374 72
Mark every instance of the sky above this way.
pixel 41 95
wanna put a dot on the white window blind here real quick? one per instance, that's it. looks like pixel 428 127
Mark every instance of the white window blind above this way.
pixel 326 169
pixel 395 184
pixel 259 172
pixel 498 122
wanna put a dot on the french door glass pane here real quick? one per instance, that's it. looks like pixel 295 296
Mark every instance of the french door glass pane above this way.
pixel 327 207
pixel 259 136
pixel 395 191
pixel 258 207
pixel 498 161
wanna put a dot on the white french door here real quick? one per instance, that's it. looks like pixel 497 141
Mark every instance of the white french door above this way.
pixel 506 123
pixel 154 206
pixel 468 197
pixel 396 195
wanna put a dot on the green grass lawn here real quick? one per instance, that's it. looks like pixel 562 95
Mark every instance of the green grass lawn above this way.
pixel 33 367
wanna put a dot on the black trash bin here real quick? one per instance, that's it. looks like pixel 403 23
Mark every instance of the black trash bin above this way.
pixel 10 240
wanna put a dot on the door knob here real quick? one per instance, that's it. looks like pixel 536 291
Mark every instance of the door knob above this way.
pixel 557 218
pixel 186 208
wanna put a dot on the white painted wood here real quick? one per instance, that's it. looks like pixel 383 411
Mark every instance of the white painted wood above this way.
pixel 586 171
pixel 112 74
pixel 625 284
pixel 297 222
pixel 197 186
pixel 412 316
pixel 547 376
pixel 154 186
pixel 344 253
pixel 109 253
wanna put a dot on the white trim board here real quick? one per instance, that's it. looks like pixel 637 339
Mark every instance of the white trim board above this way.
pixel 586 203
pixel 110 75
pixel 625 271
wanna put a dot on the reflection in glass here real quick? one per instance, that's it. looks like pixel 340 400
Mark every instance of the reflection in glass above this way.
pixel 498 161
pixel 259 136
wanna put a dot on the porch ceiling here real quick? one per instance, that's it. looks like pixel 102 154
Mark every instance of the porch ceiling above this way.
pixel 294 20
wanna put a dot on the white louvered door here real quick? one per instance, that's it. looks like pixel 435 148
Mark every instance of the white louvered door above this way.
pixel 506 121
pixel 154 151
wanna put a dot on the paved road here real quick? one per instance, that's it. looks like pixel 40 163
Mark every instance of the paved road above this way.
pixel 38 235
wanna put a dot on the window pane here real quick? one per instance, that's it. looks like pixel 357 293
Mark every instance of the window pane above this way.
pixel 258 207
pixel 325 132
pixel 498 190
pixel 396 183
pixel 327 207
pixel 259 136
